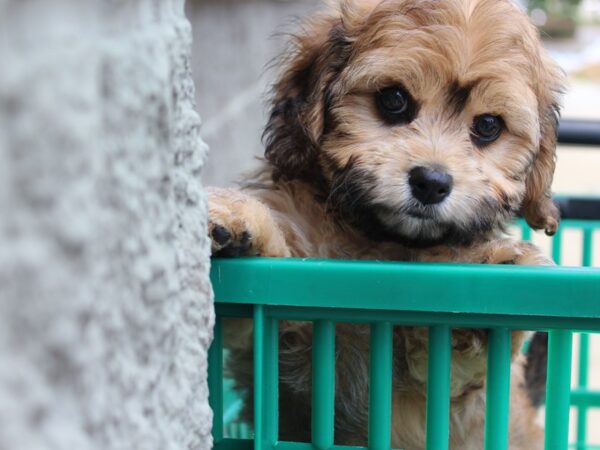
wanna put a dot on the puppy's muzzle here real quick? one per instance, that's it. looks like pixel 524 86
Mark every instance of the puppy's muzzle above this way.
pixel 429 186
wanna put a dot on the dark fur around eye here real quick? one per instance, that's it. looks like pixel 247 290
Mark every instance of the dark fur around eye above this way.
pixel 395 105
pixel 486 129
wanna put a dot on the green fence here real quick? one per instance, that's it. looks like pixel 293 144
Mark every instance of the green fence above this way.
pixel 581 397
pixel 559 300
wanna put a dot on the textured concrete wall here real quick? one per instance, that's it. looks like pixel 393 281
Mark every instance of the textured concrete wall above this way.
pixel 105 305
pixel 239 38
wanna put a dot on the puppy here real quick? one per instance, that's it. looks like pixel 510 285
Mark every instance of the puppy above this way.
pixel 405 130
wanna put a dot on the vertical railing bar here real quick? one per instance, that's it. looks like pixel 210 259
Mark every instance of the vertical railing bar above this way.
pixel 271 374
pixel 525 231
pixel 380 387
pixel 558 389
pixel 438 388
pixel 583 366
pixel 498 389
pixel 557 247
pixel 215 380
pixel 582 382
pixel 588 243
pixel 259 380
pixel 323 384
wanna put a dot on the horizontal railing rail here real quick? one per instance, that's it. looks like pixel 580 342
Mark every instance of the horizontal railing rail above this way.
pixel 470 294
pixel 580 208
pixel 579 132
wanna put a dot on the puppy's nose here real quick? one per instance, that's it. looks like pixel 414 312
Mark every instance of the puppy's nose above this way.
pixel 429 186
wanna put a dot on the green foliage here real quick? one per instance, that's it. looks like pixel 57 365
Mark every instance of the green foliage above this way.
pixel 555 8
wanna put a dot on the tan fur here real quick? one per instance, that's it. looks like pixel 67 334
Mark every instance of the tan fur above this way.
pixel 240 213
pixel 335 185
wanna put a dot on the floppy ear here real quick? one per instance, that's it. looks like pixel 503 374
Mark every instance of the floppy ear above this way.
pixel 538 208
pixel 302 93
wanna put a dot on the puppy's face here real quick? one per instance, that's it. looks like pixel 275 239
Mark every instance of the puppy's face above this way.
pixel 426 122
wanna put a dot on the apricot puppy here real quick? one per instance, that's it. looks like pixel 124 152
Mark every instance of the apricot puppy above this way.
pixel 408 130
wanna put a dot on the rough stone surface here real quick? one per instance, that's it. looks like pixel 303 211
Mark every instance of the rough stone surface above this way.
pixel 105 305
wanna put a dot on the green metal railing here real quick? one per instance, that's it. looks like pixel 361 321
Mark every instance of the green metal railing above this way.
pixel 559 300
pixel 581 397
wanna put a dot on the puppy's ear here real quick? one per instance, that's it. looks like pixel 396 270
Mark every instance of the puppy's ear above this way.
pixel 302 95
pixel 538 207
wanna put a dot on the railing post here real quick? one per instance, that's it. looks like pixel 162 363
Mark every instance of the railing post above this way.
pixel 584 350
pixel 587 247
pixel 271 385
pixel 323 384
pixel 525 231
pixel 582 382
pixel 438 388
pixel 380 386
pixel 497 389
pixel 557 246
pixel 558 389
pixel 215 380
pixel 259 340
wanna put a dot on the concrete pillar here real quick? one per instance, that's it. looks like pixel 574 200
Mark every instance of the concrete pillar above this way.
pixel 105 304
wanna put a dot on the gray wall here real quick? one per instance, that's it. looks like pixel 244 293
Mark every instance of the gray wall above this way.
pixel 105 305
pixel 233 43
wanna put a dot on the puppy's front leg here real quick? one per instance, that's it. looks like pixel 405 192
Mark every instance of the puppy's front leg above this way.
pixel 240 225
pixel 496 251
pixel 508 251
pixel 469 347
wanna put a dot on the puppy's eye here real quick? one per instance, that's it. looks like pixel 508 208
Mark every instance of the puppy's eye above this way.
pixel 395 105
pixel 487 128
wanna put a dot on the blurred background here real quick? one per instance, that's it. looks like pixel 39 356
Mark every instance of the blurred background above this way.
pixel 234 40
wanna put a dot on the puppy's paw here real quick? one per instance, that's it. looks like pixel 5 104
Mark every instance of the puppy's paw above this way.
pixel 531 255
pixel 230 240
pixel 496 251
pixel 507 251
pixel 240 225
